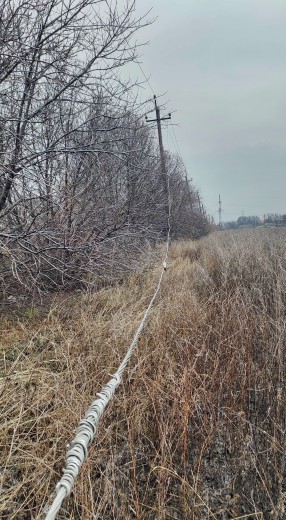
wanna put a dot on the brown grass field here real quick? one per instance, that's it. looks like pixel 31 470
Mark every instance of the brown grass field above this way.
pixel 196 431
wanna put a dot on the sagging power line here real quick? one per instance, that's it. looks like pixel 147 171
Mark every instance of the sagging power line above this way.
pixel 86 431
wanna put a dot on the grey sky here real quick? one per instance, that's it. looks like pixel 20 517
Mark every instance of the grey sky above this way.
pixel 223 63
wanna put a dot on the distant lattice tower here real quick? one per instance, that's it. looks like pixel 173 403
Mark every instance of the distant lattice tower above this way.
pixel 219 213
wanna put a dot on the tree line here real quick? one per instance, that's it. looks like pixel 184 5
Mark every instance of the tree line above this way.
pixel 269 219
pixel 80 181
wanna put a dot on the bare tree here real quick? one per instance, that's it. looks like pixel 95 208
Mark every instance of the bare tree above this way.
pixel 80 176
pixel 53 52
pixel 54 56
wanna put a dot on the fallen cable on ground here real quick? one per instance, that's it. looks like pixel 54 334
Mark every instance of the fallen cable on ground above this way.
pixel 77 450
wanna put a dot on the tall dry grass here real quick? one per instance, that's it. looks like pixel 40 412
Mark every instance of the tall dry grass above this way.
pixel 197 429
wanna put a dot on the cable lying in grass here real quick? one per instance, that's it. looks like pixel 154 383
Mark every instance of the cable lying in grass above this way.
pixel 77 450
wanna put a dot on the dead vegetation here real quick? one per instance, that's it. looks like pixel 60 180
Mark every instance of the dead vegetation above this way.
pixel 196 431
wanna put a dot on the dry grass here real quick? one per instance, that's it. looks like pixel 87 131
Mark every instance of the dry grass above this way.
pixel 197 430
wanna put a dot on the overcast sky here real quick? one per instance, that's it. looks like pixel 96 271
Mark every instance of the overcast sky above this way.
pixel 223 65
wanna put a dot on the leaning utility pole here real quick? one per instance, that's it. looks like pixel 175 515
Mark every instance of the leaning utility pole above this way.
pixel 219 213
pixel 162 154
pixel 158 121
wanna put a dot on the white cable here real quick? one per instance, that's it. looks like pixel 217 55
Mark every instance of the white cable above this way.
pixel 77 450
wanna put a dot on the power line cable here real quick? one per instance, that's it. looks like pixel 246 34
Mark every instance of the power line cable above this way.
pixel 78 449
pixel 176 141
pixel 146 78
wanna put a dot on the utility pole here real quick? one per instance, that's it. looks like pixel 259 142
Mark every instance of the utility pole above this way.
pixel 219 213
pixel 158 121
pixel 162 154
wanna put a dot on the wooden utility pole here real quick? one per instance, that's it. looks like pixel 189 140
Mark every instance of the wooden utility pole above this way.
pixel 158 121
pixel 162 154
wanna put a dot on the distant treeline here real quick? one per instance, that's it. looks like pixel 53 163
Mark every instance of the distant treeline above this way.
pixel 270 219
